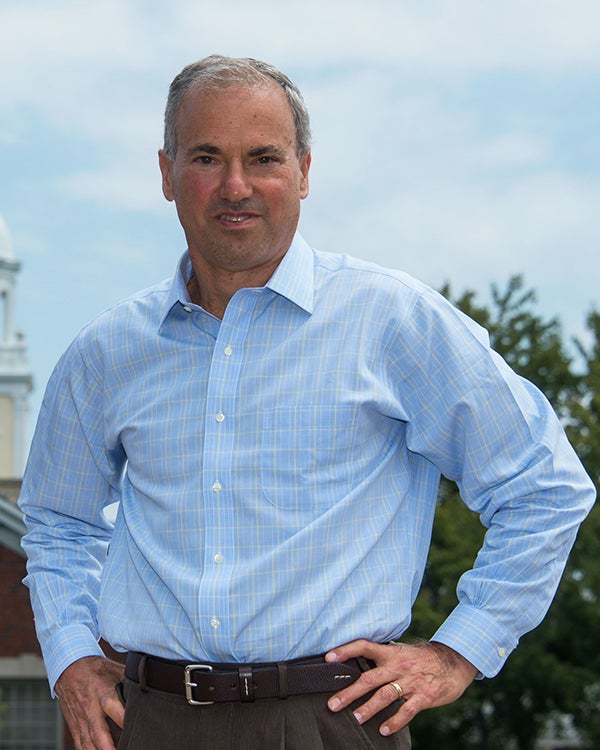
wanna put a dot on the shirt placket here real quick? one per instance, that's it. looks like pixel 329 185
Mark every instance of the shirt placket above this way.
pixel 215 605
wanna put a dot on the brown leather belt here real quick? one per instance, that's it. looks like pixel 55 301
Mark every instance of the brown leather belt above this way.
pixel 205 683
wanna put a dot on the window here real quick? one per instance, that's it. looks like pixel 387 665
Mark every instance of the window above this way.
pixel 29 718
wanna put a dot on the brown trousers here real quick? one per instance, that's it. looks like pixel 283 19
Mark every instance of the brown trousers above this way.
pixel 155 720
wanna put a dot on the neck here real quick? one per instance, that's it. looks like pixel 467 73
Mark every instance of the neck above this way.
pixel 212 289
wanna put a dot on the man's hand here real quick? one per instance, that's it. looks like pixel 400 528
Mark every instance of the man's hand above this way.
pixel 87 696
pixel 430 674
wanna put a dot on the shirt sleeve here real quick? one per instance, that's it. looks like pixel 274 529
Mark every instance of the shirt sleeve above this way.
pixel 498 438
pixel 70 479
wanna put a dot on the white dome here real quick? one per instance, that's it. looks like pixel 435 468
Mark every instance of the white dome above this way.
pixel 6 251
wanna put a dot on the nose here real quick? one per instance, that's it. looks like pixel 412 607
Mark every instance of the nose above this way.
pixel 235 185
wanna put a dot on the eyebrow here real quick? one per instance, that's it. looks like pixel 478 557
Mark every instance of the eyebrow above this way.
pixel 203 148
pixel 269 149
pixel 209 148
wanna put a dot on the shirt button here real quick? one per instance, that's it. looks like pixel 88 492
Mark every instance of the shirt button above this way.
pixel 501 652
pixel 218 558
pixel 187 309
pixel 228 351
pixel 220 416
pixel 214 623
pixel 217 487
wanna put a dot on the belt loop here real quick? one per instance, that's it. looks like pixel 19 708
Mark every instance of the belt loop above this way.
pixel 364 664
pixel 142 674
pixel 283 681
pixel 246 683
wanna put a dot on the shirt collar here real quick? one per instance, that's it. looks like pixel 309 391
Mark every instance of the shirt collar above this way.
pixel 293 279
pixel 294 276
pixel 178 292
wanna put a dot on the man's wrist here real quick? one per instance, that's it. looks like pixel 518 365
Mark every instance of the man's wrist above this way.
pixel 67 646
pixel 452 658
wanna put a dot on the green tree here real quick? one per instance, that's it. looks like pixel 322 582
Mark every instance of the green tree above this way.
pixel 584 430
pixel 553 672
pixel 579 597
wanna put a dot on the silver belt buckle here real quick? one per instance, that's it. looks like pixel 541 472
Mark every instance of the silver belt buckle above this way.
pixel 189 685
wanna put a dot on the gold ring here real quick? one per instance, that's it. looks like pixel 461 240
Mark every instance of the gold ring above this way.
pixel 398 689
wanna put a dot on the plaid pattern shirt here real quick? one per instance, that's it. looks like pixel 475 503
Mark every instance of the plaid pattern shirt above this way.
pixel 276 473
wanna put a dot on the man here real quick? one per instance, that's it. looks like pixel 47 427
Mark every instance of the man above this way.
pixel 273 422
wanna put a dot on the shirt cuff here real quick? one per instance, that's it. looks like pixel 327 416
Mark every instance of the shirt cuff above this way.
pixel 477 636
pixel 66 646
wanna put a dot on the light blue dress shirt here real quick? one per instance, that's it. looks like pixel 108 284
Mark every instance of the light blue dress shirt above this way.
pixel 277 473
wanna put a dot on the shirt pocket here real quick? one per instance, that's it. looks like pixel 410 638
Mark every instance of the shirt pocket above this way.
pixel 306 455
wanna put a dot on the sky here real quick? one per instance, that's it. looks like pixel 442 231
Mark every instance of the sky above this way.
pixel 458 140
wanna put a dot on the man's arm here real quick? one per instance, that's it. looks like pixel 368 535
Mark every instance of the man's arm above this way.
pixel 70 478
pixel 497 436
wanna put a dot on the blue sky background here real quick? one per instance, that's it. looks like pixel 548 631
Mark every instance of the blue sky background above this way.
pixel 458 140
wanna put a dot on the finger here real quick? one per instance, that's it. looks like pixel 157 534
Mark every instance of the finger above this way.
pixel 102 737
pixel 366 683
pixel 369 680
pixel 382 698
pixel 403 716
pixel 87 724
pixel 92 736
pixel 360 647
pixel 115 709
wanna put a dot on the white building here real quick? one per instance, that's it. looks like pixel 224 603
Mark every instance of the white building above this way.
pixel 15 378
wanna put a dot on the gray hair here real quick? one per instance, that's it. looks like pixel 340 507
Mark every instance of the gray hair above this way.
pixel 217 72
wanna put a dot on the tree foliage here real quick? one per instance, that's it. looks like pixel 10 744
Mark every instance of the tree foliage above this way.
pixel 555 672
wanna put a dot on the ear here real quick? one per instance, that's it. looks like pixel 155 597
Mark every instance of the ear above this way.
pixel 304 168
pixel 166 169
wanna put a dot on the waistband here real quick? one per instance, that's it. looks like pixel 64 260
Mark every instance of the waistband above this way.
pixel 207 682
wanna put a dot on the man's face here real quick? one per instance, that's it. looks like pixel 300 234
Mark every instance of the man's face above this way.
pixel 236 179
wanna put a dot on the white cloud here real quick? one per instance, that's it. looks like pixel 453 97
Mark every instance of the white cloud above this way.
pixel 99 69
pixel 68 49
pixel 544 227
pixel 511 150
pixel 116 186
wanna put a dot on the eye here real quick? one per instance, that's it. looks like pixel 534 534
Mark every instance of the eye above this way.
pixel 266 160
pixel 203 159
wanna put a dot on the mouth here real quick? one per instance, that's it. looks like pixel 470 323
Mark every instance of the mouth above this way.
pixel 236 219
